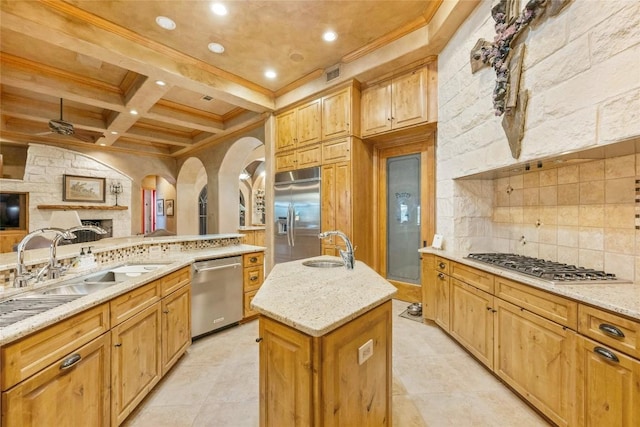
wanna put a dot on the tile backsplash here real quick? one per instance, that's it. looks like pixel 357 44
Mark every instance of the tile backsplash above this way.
pixel 585 214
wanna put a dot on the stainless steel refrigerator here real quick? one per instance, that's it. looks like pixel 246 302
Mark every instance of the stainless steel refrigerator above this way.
pixel 297 214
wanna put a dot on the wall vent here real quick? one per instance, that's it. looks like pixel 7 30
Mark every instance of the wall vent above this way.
pixel 333 74
pixel 207 98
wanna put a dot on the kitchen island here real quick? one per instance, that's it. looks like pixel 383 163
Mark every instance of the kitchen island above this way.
pixel 325 345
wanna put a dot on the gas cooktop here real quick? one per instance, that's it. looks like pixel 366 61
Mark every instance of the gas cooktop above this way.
pixel 554 272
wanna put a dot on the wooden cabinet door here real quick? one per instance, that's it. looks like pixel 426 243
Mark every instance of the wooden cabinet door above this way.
pixel 536 357
pixel 176 326
pixel 428 286
pixel 409 99
pixel 376 109
pixel 472 320
pixel 358 392
pixel 77 395
pixel 307 157
pixel 336 114
pixel 136 361
pixel 338 150
pixel 608 386
pixel 328 197
pixel 343 198
pixel 308 122
pixel 286 373
pixel 441 283
pixel 286 132
pixel 248 297
pixel 285 161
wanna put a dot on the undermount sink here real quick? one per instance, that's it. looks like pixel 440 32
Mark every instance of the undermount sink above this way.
pixel 318 263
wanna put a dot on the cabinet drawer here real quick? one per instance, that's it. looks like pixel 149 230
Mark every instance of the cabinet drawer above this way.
pixel 127 305
pixel 549 306
pixel 610 329
pixel 336 151
pixel 174 281
pixel 308 156
pixel 442 264
pixel 252 259
pixel 253 277
pixel 23 358
pixel 285 161
pixel 248 297
pixel 478 278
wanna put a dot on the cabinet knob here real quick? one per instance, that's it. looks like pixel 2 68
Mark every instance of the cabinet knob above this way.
pixel 440 276
pixel 607 354
pixel 611 330
pixel 253 278
pixel 165 311
pixel 253 259
pixel 117 345
pixel 442 265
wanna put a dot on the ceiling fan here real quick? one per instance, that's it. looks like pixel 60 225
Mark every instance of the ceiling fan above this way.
pixel 62 127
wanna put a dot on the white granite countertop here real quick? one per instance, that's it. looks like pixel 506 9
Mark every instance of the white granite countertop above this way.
pixel 172 262
pixel 318 300
pixel 623 298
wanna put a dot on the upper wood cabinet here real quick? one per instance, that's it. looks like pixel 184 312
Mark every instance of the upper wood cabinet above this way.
pixel 402 101
pixel 340 111
pixel 299 126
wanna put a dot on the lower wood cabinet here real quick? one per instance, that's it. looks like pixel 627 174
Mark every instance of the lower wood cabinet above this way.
pixel 472 320
pixel 318 381
pixel 608 386
pixel 253 276
pixel 176 326
pixel 73 391
pixel 136 365
pixel 537 358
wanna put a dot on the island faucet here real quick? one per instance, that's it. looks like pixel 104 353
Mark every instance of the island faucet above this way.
pixel 54 270
pixel 347 256
pixel 22 277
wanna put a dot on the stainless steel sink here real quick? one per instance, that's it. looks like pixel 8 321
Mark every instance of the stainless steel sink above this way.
pixel 322 263
pixel 21 308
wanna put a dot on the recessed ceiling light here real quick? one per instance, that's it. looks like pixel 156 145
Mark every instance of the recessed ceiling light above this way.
pixel 216 47
pixel 270 74
pixel 102 144
pixel 329 36
pixel 219 9
pixel 113 132
pixel 166 23
pixel 160 83
pixel 133 112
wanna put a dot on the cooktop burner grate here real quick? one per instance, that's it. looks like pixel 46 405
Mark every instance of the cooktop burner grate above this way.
pixel 547 270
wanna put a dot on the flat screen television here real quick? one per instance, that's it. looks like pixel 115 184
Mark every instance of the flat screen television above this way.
pixel 13 213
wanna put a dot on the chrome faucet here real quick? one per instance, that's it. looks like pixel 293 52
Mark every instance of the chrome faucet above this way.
pixel 56 271
pixel 347 256
pixel 22 277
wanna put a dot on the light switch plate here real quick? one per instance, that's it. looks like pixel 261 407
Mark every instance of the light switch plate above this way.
pixel 365 352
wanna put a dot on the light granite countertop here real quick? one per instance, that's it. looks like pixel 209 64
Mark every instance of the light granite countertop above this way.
pixel 623 298
pixel 318 300
pixel 171 262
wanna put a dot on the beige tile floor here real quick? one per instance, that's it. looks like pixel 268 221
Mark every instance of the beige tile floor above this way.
pixel 436 383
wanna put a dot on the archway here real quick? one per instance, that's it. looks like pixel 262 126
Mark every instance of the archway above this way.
pixel 243 150
pixel 192 178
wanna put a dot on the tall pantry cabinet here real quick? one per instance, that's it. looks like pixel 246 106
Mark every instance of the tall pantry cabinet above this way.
pixel 346 162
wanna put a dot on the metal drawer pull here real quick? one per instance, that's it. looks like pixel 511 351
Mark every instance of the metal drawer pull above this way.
pixel 253 259
pixel 70 361
pixel 253 278
pixel 221 267
pixel 440 276
pixel 442 265
pixel 607 354
pixel 611 330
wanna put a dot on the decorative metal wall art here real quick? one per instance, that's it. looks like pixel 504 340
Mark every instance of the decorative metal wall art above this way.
pixel 505 57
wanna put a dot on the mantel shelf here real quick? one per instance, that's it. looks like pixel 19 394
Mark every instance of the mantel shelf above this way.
pixel 83 207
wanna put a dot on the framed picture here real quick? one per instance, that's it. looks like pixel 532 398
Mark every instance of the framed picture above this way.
pixel 160 207
pixel 169 207
pixel 83 189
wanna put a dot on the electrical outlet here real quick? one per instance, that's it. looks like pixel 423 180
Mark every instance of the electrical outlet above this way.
pixel 365 352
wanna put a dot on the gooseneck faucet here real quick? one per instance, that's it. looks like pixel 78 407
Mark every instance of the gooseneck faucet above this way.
pixel 347 256
pixel 54 270
pixel 22 277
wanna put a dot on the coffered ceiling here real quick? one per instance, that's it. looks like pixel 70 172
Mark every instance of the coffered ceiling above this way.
pixel 105 58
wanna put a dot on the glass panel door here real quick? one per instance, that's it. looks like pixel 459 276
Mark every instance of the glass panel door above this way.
pixel 403 218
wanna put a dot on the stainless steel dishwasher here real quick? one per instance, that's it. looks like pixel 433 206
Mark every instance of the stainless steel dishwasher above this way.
pixel 216 294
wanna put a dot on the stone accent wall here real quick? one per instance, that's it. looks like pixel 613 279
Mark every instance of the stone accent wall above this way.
pixel 43 181
pixel 581 70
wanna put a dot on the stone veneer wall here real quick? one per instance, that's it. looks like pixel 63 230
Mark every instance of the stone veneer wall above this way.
pixel 43 181
pixel 581 71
